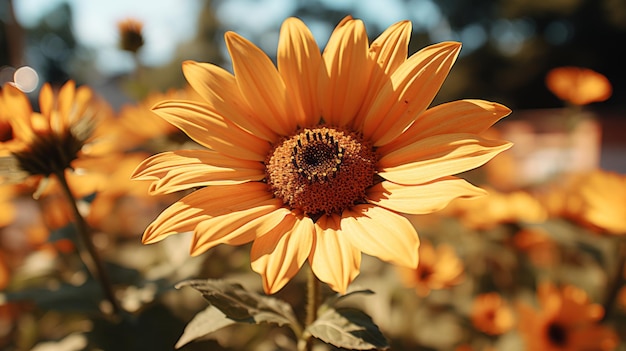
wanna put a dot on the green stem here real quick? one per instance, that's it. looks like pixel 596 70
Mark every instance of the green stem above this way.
pixel 86 249
pixel 313 302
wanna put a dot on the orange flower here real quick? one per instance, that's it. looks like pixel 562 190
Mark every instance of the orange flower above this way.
pixel 595 199
pixel 57 139
pixel 491 314
pixel 137 124
pixel 319 158
pixel 578 86
pixel 496 208
pixel 123 207
pixel 438 268
pixel 131 37
pixel 537 244
pixel 566 321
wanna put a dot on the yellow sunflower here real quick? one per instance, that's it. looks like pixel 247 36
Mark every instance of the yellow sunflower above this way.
pixel 61 137
pixel 319 157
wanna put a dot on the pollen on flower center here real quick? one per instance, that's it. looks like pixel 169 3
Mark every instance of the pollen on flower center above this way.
pixel 321 170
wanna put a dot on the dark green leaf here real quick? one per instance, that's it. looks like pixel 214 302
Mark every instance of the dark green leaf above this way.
pixel 205 322
pixel 348 328
pixel 242 305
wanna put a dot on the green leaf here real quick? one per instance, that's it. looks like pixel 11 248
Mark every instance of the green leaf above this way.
pixel 242 305
pixel 205 322
pixel 348 328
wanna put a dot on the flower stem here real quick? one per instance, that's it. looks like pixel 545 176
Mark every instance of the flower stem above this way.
pixel 86 249
pixel 312 305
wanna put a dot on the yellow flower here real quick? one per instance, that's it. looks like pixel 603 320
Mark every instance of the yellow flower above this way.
pixel 498 207
pixel 595 199
pixel 60 137
pixel 137 125
pixel 492 314
pixel 439 268
pixel 319 157
pixel 578 86
pixel 565 321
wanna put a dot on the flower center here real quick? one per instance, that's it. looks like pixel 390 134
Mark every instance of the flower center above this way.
pixel 557 334
pixel 321 170
pixel 49 154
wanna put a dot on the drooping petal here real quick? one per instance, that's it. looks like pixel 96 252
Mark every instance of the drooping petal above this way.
pixel 219 88
pixel 240 225
pixel 438 156
pixel 260 84
pixel 207 128
pixel 381 233
pixel 388 51
pixel 409 92
pixel 299 60
pixel 422 198
pixel 184 169
pixel 461 116
pixel 344 74
pixel 334 259
pixel 278 255
pixel 202 204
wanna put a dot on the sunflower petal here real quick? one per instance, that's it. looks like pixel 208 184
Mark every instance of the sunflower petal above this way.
pixel 184 169
pixel 381 233
pixel 438 156
pixel 278 255
pixel 422 198
pixel 238 226
pixel 260 83
pixel 209 129
pixel 299 61
pixel 219 88
pixel 345 73
pixel 202 204
pixel 334 259
pixel 461 116
pixel 46 100
pixel 388 51
pixel 409 92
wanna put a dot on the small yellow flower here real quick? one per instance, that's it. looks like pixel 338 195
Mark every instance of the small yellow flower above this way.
pixel 565 321
pixel 317 159
pixel 492 314
pixel 594 199
pixel 578 86
pixel 439 268
pixel 59 138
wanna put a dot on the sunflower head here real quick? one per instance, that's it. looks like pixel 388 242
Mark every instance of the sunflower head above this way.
pixel 47 142
pixel 318 157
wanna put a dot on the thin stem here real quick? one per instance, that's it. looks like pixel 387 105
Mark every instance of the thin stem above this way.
pixel 312 305
pixel 87 251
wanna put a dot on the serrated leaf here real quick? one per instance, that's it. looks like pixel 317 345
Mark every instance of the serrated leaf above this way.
pixel 205 322
pixel 348 328
pixel 242 305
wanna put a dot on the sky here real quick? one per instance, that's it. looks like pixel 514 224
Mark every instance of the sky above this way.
pixel 169 22
pixel 166 23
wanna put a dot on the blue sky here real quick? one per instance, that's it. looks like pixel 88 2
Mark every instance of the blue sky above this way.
pixel 170 22
pixel 166 23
